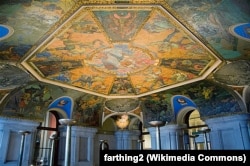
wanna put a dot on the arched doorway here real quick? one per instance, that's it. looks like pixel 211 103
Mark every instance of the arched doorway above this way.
pixel 126 129
pixel 47 138
pixel 196 133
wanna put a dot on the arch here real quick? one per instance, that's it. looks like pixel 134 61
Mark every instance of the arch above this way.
pixel 49 131
pixel 187 114
pixel 61 113
pixel 63 103
pixel 133 122
pixel 182 104
pixel 183 114
pixel 246 97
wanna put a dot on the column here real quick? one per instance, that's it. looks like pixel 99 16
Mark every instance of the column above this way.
pixel 23 133
pixel 68 123
pixel 157 125
pixel 205 133
pixel 53 138
pixel 140 142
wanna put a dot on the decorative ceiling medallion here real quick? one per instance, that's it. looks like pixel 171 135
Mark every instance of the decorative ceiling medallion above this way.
pixel 5 31
pixel 122 105
pixel 122 60
pixel 241 31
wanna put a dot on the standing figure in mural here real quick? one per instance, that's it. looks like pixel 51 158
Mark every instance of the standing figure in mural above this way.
pixel 123 22
pixel 22 104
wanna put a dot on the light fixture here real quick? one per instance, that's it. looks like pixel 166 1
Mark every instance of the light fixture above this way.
pixel 157 124
pixel 122 121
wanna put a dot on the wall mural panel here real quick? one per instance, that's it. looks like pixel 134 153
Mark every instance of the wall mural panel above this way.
pixel 88 110
pixel 32 101
pixel 157 107
pixel 12 77
pixel 211 100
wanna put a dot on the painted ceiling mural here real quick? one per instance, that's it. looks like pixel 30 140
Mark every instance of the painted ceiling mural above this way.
pixel 212 20
pixel 37 18
pixel 12 77
pixel 235 73
pixel 116 50
pixel 148 50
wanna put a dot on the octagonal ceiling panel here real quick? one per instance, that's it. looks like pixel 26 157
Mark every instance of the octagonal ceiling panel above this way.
pixel 119 50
